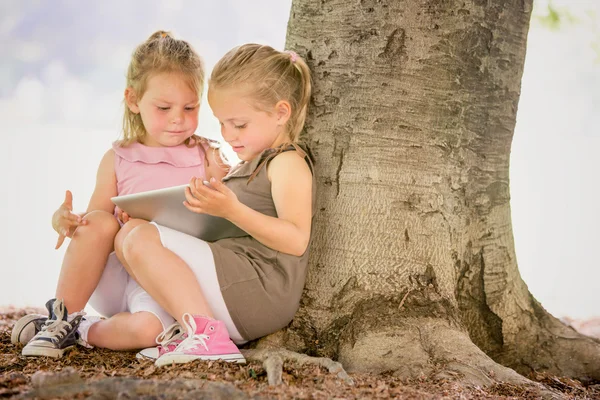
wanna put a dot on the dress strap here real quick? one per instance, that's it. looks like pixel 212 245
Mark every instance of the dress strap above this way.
pixel 274 153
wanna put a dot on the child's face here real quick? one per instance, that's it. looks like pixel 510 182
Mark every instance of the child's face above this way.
pixel 169 110
pixel 249 131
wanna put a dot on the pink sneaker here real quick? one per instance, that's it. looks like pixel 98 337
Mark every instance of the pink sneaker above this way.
pixel 167 341
pixel 207 339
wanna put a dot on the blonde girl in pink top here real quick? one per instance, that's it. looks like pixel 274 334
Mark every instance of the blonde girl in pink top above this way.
pixel 158 149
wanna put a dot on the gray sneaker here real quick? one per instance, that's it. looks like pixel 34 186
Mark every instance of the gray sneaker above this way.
pixel 56 335
pixel 26 328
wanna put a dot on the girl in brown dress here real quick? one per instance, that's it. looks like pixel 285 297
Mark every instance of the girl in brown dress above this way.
pixel 245 287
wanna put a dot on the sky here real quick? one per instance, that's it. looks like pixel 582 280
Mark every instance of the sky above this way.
pixel 554 162
pixel 62 72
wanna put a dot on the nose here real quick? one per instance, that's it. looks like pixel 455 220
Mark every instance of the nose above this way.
pixel 177 116
pixel 227 133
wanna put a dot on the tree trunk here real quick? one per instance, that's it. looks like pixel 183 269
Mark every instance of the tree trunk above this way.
pixel 413 259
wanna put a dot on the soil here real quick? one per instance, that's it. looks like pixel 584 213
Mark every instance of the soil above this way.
pixel 99 373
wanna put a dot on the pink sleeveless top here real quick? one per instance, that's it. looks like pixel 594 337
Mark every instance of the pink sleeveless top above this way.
pixel 139 168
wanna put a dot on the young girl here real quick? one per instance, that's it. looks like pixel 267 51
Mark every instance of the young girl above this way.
pixel 165 81
pixel 238 288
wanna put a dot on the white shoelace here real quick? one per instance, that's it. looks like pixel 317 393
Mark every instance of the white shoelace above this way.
pixel 57 327
pixel 194 339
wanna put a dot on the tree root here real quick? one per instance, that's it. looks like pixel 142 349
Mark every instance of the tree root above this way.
pixel 273 359
pixel 545 344
pixel 68 383
pixel 426 348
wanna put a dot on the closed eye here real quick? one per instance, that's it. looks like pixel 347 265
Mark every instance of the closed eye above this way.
pixel 163 108
pixel 240 126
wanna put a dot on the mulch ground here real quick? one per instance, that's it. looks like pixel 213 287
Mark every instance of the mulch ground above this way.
pixel 299 382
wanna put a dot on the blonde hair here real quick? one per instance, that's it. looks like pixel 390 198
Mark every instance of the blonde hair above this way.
pixel 160 53
pixel 270 76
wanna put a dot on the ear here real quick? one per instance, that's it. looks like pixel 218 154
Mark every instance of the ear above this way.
pixel 131 100
pixel 283 111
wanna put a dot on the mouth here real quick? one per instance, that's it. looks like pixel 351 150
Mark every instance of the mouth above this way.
pixel 237 149
pixel 175 132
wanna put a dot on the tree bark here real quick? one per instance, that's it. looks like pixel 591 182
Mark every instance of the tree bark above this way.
pixel 413 268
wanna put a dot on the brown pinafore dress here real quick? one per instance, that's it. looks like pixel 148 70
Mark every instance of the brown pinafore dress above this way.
pixel 261 286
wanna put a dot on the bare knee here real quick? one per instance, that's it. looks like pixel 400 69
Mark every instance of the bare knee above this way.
pixel 136 244
pixel 122 235
pixel 145 327
pixel 100 226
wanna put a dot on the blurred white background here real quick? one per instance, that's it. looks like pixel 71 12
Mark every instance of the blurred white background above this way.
pixel 62 72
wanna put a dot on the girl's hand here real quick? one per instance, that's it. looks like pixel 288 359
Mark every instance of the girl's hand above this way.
pixel 64 221
pixel 217 200
pixel 122 215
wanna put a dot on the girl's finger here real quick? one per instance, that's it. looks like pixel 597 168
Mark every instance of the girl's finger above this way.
pixel 189 196
pixel 68 200
pixel 74 217
pixel 193 196
pixel 70 223
pixel 195 209
pixel 207 192
pixel 59 242
pixel 219 186
pixel 69 216
pixel 197 187
pixel 192 182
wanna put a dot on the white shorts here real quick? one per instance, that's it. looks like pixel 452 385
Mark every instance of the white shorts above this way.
pixel 198 256
pixel 118 292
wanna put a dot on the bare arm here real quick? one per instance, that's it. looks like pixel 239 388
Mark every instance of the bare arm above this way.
pixel 64 221
pixel 106 185
pixel 291 188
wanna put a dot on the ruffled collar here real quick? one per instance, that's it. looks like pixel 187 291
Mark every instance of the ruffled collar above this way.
pixel 179 156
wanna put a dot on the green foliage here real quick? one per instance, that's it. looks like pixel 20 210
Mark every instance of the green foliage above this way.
pixel 553 17
pixel 253 373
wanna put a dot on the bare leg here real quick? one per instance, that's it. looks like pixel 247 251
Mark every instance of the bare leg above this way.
pixel 120 238
pixel 85 259
pixel 165 276
pixel 126 331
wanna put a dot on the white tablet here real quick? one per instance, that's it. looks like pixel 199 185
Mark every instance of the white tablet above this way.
pixel 165 207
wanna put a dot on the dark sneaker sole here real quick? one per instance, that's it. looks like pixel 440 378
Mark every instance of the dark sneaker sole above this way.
pixel 35 351
pixel 22 326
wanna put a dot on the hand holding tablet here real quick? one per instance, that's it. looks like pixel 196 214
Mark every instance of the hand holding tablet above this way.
pixel 215 199
pixel 165 207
